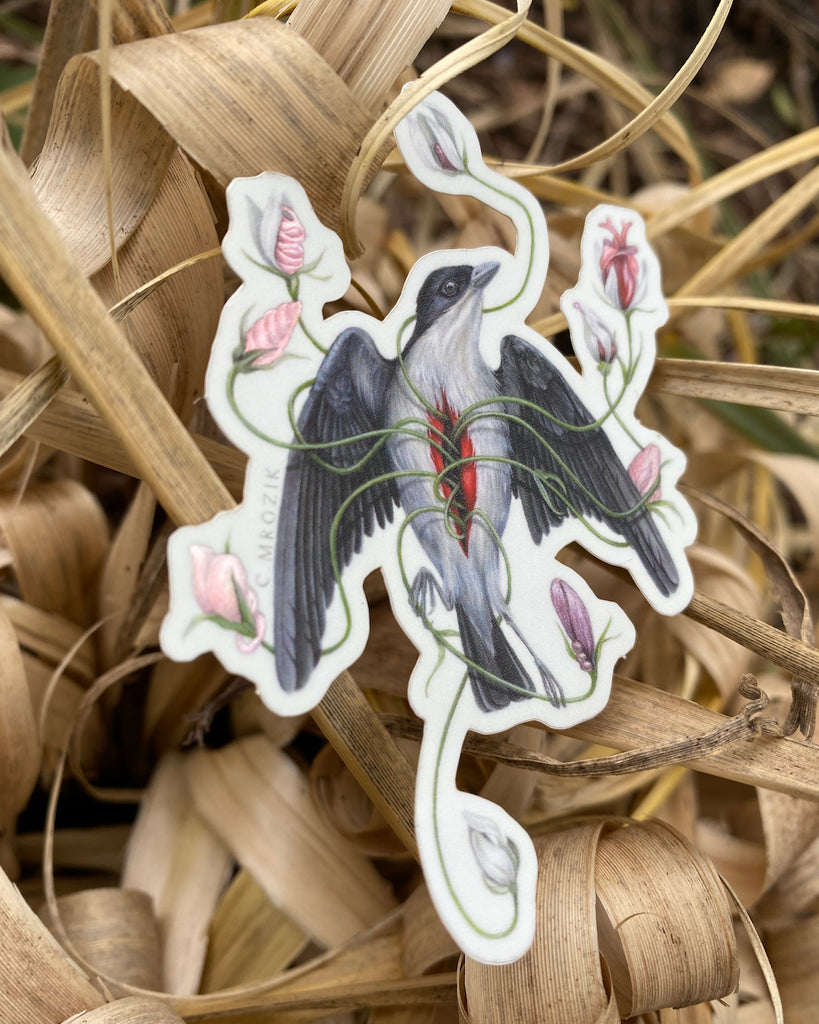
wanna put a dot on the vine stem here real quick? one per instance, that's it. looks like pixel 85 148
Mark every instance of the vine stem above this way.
pixel 447 739
pixel 628 376
pixel 530 224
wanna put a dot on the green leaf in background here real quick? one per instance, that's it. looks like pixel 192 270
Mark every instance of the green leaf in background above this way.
pixel 762 427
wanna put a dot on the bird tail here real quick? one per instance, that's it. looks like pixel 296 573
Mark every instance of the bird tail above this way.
pixel 645 538
pixel 492 659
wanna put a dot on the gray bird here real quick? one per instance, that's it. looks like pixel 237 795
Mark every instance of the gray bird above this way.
pixel 451 442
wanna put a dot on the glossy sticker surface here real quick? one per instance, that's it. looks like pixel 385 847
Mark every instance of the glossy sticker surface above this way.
pixel 453 448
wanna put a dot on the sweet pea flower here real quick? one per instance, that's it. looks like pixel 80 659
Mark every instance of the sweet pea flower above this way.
pixel 618 256
pixel 599 339
pixel 645 470
pixel 281 237
pixel 439 145
pixel 221 591
pixel 496 855
pixel 574 618
pixel 270 335
pixel 289 249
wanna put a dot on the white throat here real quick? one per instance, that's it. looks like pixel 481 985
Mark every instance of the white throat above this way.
pixel 447 355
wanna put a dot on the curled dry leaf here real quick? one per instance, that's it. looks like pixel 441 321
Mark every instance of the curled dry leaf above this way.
pixel 637 898
pixel 721 578
pixel 426 943
pixel 113 930
pixel 508 788
pixel 120 573
pixel 19 743
pixel 128 1010
pixel 28 951
pixel 566 945
pixel 177 860
pixel 204 72
pixel 249 939
pixel 794 894
pixel 172 328
pixel 793 952
pixel 256 800
pixel 347 809
pixel 57 535
pixel 793 603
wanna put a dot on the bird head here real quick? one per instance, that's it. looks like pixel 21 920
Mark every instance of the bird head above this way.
pixel 448 287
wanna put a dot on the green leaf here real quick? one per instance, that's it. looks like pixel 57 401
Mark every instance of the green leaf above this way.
pixel 762 427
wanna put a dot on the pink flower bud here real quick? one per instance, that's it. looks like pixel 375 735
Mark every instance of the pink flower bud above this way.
pixel 619 256
pixel 574 618
pixel 218 580
pixel 598 338
pixel 645 471
pixel 271 335
pixel 280 236
pixel 289 250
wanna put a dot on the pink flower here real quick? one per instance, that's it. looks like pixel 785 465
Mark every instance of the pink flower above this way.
pixel 599 339
pixel 289 250
pixel 271 335
pixel 645 470
pixel 281 237
pixel 221 591
pixel 619 256
pixel 574 618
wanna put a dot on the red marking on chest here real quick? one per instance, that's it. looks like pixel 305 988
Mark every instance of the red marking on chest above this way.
pixel 448 447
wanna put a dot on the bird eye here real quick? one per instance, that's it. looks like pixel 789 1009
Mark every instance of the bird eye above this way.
pixel 449 288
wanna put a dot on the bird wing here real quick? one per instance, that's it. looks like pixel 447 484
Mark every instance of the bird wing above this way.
pixel 560 471
pixel 327 507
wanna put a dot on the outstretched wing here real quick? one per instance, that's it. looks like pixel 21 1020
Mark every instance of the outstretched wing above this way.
pixel 330 502
pixel 564 471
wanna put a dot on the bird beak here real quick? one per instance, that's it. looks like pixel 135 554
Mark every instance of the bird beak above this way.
pixel 483 274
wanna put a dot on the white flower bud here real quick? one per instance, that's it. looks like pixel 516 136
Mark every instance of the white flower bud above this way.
pixel 496 855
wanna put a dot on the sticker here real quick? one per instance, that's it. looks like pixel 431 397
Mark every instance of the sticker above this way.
pixel 453 448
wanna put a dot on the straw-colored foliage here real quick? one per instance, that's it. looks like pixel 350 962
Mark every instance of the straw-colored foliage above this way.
pixel 270 874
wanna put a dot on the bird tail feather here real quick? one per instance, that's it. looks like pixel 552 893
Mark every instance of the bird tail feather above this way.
pixel 645 538
pixel 485 645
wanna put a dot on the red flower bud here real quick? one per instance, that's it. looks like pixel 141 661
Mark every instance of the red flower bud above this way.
pixel 620 257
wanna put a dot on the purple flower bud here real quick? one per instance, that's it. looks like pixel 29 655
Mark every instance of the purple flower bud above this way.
pixel 575 620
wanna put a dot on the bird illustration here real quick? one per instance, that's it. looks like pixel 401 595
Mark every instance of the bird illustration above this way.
pixel 439 434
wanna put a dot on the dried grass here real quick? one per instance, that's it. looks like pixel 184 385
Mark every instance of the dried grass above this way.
pixel 269 875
